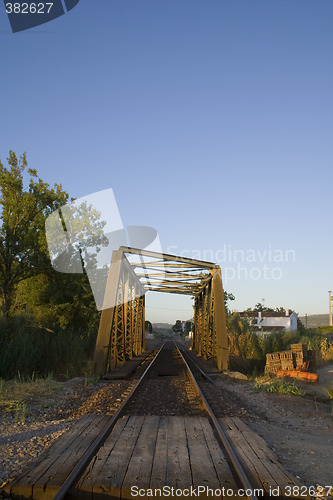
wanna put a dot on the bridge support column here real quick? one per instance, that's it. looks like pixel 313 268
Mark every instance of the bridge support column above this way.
pixel 121 329
pixel 210 335
pixel 222 349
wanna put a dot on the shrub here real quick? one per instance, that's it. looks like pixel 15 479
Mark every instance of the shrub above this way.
pixel 281 387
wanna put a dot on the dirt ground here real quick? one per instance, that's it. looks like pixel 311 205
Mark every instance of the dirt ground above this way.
pixel 326 376
pixel 298 429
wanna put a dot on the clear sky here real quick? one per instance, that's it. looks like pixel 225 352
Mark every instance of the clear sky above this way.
pixel 211 120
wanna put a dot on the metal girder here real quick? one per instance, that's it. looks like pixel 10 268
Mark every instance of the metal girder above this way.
pixel 181 291
pixel 222 349
pixel 170 258
pixel 121 329
pixel 210 336
pixel 121 333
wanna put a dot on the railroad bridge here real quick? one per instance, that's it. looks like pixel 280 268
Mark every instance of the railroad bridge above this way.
pixel 174 427
pixel 133 272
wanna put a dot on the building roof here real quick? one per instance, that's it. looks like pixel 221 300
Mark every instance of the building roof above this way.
pixel 265 328
pixel 267 314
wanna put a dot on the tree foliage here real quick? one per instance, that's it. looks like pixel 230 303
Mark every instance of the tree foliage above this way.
pixel 23 251
pixel 48 319
pixel 148 327
pixel 28 283
pixel 188 327
pixel 227 297
pixel 178 327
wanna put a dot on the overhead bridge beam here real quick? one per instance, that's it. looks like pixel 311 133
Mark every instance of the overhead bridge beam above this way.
pixel 121 333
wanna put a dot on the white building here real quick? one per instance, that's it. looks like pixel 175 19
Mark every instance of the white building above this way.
pixel 268 321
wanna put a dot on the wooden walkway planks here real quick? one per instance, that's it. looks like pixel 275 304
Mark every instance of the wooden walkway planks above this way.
pixel 160 464
pixel 202 466
pixel 154 452
pixel 99 478
pixel 45 476
pixel 178 470
pixel 258 461
pixel 141 462
pixel 218 458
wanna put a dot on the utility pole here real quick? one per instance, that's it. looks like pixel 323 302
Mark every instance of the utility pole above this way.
pixel 330 306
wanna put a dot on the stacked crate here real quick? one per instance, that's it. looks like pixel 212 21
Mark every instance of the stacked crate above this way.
pixel 273 362
pixel 298 358
pixel 287 359
pixel 300 351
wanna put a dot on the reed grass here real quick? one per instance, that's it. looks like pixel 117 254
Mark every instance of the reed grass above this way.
pixel 28 351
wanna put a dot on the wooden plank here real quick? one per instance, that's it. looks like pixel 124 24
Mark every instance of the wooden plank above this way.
pixel 203 470
pixel 159 469
pixel 62 465
pixel 141 461
pixel 84 488
pixel 23 483
pixel 179 472
pixel 259 446
pixel 223 472
pixel 112 462
pixel 256 458
pixel 97 464
pixel 252 465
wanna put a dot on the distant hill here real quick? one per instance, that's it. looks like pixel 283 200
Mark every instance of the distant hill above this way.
pixel 162 329
pixel 162 325
pixel 315 320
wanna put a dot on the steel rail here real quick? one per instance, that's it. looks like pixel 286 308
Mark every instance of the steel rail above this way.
pixel 226 444
pixel 82 464
pixel 205 375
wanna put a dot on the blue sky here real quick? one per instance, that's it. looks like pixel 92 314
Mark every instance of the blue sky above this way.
pixel 211 120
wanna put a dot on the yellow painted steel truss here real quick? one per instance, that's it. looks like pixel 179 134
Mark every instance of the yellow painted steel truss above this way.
pixel 132 273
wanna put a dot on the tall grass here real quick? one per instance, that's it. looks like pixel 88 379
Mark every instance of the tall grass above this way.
pixel 29 351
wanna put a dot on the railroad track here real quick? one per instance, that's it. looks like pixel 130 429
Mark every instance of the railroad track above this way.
pixel 163 364
pixel 171 386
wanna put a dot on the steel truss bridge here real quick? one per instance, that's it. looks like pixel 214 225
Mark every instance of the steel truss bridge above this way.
pixel 133 272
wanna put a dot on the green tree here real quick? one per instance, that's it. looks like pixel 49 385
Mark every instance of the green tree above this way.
pixel 277 344
pixel 260 307
pixel 23 249
pixel 148 327
pixel 300 326
pixel 254 348
pixel 188 327
pixel 24 253
pixel 280 309
pixel 177 327
pixel 227 297
pixel 237 328
pixel 58 301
